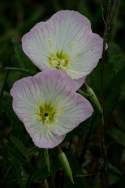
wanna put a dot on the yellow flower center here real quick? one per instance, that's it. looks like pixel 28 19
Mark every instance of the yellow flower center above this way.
pixel 47 113
pixel 59 60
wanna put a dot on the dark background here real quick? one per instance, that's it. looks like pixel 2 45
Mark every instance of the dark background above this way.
pixel 21 163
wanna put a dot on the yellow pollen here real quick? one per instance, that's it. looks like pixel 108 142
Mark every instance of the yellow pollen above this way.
pixel 47 113
pixel 59 60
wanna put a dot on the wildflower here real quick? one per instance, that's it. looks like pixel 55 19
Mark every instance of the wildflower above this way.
pixel 65 42
pixel 49 107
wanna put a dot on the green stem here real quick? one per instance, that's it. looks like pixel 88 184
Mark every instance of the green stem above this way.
pixel 46 155
pixel 89 93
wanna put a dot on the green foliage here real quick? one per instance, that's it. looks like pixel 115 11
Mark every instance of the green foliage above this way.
pixel 21 163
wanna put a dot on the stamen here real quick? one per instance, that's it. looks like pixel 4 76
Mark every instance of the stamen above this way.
pixel 59 60
pixel 47 113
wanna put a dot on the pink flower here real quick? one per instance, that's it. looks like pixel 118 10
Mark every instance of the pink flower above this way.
pixel 49 107
pixel 64 42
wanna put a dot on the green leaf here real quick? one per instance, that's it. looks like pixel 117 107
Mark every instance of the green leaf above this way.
pixel 19 146
pixel 39 170
pixel 23 60
pixel 114 174
pixel 115 170
pixel 65 164
pixel 117 135
pixel 113 178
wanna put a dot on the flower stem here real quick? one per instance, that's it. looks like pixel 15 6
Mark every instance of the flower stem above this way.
pixel 46 155
pixel 89 93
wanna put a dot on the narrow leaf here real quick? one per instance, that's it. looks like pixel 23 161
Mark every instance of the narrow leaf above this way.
pixel 65 164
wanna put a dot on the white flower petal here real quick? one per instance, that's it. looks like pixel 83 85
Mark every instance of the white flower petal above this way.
pixel 26 94
pixel 75 109
pixel 87 60
pixel 49 86
pixel 43 138
pixel 52 36
pixel 63 79
pixel 68 32
pixel 68 25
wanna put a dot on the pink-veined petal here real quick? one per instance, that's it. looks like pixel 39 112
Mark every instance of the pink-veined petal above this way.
pixel 75 109
pixel 49 86
pixel 69 32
